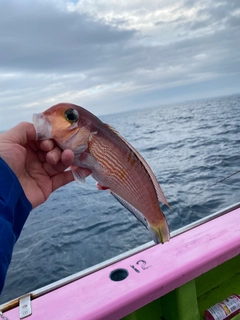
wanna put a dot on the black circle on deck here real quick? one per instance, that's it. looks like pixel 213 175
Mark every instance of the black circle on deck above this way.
pixel 118 274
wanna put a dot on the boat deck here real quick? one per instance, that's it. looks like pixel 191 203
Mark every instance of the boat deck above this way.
pixel 177 280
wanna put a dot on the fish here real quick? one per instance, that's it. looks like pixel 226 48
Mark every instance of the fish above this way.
pixel 115 164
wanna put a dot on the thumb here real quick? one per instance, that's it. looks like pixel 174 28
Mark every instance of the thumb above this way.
pixel 22 133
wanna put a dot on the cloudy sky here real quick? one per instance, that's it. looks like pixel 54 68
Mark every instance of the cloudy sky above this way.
pixel 109 56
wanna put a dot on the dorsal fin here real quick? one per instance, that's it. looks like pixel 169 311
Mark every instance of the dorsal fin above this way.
pixel 160 194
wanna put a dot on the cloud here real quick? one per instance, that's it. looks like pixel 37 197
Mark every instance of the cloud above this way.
pixel 43 37
pixel 110 56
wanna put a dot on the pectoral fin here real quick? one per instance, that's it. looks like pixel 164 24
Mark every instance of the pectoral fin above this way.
pixel 80 173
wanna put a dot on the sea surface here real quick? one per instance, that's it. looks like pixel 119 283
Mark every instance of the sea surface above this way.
pixel 189 146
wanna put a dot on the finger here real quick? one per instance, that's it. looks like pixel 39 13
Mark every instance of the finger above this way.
pixel 54 156
pixel 34 145
pixel 52 170
pixel 67 158
pixel 47 145
pixel 22 133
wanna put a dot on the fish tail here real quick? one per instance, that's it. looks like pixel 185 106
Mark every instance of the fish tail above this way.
pixel 160 233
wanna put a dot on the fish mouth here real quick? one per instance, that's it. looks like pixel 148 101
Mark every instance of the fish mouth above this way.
pixel 42 126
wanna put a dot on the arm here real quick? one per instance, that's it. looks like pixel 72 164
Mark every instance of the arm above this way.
pixel 29 172
pixel 14 210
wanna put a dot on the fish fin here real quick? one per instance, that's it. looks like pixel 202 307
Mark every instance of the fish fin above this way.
pixel 100 187
pixel 161 233
pixel 155 235
pixel 79 173
pixel 160 194
pixel 132 209
pixel 88 160
pixel 79 149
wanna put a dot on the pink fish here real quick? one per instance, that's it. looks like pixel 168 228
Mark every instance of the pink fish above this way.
pixel 114 163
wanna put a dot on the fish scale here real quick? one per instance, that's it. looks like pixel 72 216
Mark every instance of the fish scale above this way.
pixel 130 191
pixel 142 200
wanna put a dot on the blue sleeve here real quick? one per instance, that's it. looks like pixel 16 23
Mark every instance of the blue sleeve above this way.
pixel 14 210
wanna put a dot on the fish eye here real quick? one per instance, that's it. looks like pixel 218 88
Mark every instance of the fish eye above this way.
pixel 71 115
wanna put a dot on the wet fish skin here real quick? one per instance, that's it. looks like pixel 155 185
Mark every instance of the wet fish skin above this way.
pixel 114 163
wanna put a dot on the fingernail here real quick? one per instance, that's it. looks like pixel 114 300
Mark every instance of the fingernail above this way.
pixel 55 157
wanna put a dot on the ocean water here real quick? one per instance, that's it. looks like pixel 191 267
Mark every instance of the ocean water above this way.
pixel 189 146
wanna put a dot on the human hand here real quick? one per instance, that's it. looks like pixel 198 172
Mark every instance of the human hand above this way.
pixel 39 165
